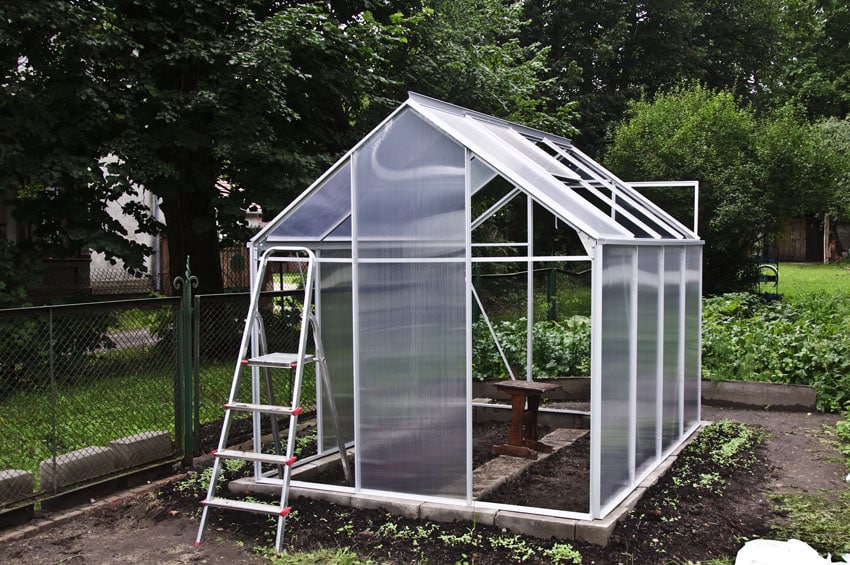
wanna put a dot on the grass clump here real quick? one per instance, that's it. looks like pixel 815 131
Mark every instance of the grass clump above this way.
pixel 822 522
pixel 800 280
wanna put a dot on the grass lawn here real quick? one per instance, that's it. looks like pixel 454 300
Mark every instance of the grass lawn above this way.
pixel 802 279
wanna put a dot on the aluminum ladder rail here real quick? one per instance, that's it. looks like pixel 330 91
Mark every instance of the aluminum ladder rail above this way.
pixel 297 361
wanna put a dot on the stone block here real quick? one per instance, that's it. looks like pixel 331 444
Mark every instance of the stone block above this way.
pixel 332 496
pixel 784 397
pixel 15 485
pixel 440 512
pixel 139 449
pixel 543 527
pixel 597 532
pixel 76 466
pixel 395 506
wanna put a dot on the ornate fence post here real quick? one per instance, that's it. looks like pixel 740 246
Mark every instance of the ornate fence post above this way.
pixel 185 389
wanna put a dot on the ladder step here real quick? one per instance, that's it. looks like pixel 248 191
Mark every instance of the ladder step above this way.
pixel 252 456
pixel 285 360
pixel 263 408
pixel 257 507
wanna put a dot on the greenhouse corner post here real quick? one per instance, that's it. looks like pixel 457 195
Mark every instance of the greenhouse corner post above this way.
pixel 184 405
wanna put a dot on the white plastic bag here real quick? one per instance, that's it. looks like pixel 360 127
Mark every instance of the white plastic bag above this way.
pixel 772 552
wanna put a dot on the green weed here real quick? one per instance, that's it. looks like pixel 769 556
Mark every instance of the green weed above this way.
pixel 336 556
pixel 823 523
pixel 562 553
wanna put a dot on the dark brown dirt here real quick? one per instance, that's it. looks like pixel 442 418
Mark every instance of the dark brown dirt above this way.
pixel 543 485
pixel 669 524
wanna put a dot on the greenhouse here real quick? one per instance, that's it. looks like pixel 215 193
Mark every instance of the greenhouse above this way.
pixel 402 227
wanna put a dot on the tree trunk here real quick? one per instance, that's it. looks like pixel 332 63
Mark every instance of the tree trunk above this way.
pixel 190 219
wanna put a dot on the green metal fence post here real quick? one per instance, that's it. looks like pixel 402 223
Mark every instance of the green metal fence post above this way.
pixel 184 405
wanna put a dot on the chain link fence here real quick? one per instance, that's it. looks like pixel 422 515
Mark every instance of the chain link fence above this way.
pixel 220 323
pixel 560 291
pixel 86 394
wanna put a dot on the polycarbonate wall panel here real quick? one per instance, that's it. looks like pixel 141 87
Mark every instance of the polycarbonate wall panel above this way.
pixel 480 174
pixel 693 298
pixel 409 195
pixel 321 211
pixel 337 338
pixel 412 380
pixel 648 365
pixel 410 191
pixel 617 269
pixel 672 279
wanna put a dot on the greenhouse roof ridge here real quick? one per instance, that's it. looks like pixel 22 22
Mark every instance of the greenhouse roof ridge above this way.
pixel 415 97
pixel 548 168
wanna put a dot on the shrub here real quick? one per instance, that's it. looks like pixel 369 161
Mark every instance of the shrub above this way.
pixel 560 349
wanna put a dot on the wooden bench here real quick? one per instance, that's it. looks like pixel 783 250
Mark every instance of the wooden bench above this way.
pixel 523 438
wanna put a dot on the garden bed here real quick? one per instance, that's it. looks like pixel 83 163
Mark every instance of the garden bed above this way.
pixel 675 521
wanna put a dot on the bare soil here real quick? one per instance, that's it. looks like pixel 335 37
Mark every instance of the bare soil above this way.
pixel 158 525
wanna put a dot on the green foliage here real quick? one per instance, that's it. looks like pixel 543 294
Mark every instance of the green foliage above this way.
pixel 562 553
pixel 560 349
pixel 467 52
pixel 196 484
pixel 753 171
pixel 824 523
pixel 337 556
pixel 796 341
pixel 606 53
pixel 816 53
pixel 56 115
pixel 842 431
pixel 835 136
pixel 18 271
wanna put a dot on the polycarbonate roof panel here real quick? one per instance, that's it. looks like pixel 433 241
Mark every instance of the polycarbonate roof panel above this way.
pixel 507 156
pixel 320 211
pixel 546 167
pixel 639 204
pixel 530 151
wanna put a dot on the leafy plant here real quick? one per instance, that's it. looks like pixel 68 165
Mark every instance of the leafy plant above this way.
pixel 562 553
pixel 560 349
pixel 796 341
pixel 516 545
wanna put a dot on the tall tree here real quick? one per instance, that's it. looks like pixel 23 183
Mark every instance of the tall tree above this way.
pixel 607 53
pixel 55 123
pixel 753 172
pixel 818 74
pixel 257 93
pixel 468 52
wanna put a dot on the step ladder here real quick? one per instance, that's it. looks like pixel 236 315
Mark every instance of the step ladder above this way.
pixel 253 337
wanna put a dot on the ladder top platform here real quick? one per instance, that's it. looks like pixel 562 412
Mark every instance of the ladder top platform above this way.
pixel 287 360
